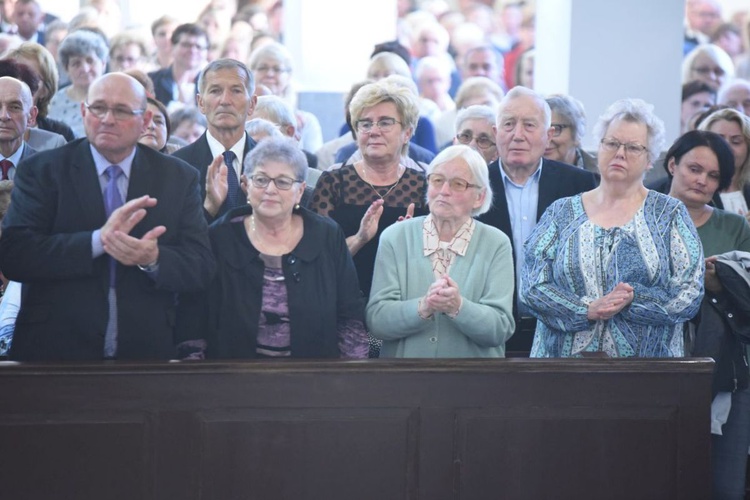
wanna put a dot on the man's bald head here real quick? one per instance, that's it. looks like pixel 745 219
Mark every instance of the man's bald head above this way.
pixel 115 114
pixel 13 85
pixel 124 82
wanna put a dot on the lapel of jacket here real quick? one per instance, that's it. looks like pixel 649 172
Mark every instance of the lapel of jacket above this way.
pixel 140 180
pixel 498 216
pixel 27 151
pixel 548 188
pixel 205 153
pixel 84 180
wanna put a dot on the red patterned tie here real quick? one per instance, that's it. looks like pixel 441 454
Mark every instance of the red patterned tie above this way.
pixel 6 165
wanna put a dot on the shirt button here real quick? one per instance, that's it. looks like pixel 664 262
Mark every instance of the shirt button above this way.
pixel 713 300
pixel 525 218
pixel 433 339
pixel 730 315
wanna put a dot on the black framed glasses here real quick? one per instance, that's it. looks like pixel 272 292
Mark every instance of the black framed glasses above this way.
pixel 383 124
pixel 557 128
pixel 120 113
pixel 282 182
pixel 483 141
pixel 456 184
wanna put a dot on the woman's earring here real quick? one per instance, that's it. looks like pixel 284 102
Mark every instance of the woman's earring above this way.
pixel 296 207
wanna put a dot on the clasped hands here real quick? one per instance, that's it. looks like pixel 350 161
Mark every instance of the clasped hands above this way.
pixel 443 296
pixel 126 249
pixel 615 301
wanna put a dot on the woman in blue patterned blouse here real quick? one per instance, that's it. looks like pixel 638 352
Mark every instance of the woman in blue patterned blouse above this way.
pixel 618 269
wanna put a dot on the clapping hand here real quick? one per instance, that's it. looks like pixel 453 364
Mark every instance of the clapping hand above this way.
pixel 216 185
pixel 409 213
pixel 116 239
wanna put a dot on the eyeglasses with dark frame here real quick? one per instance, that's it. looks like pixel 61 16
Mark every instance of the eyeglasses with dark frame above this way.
pixel 557 128
pixel 632 149
pixel 383 124
pixel 120 113
pixel 282 182
pixel 483 142
pixel 456 184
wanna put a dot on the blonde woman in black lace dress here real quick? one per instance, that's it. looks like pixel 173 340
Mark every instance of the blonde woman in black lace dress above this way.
pixel 378 184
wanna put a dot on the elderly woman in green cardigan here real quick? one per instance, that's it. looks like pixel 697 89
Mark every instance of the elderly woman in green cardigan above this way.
pixel 443 283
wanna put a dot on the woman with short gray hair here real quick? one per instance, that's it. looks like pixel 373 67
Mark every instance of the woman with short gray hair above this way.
pixel 445 275
pixel 83 54
pixel 617 269
pixel 568 129
pixel 285 284
pixel 474 129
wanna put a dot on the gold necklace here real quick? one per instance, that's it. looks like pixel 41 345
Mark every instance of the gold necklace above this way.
pixel 377 192
pixel 286 244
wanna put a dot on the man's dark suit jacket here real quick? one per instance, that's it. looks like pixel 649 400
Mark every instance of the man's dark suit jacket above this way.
pixel 198 154
pixel 163 85
pixel 56 204
pixel 556 181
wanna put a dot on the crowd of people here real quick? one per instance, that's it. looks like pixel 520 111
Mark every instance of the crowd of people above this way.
pixel 167 198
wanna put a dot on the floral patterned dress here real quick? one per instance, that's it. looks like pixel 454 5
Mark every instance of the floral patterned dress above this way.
pixel 569 262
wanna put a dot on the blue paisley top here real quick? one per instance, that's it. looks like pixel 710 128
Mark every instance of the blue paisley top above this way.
pixel 569 262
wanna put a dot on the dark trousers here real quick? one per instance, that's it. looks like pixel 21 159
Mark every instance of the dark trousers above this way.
pixel 519 345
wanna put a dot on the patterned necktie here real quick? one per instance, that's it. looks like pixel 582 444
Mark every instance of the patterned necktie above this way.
pixel 233 184
pixel 6 165
pixel 112 201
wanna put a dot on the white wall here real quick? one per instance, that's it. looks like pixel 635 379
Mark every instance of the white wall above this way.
pixel 600 51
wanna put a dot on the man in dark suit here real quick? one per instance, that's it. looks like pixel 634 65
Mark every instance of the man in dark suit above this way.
pixel 189 52
pixel 28 17
pixel 524 184
pixel 17 110
pixel 100 260
pixel 226 97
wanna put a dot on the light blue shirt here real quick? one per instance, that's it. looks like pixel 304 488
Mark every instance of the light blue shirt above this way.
pixel 523 201
pixel 101 163
pixel 97 249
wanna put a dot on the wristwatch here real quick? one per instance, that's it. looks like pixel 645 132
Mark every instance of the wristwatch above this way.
pixel 149 268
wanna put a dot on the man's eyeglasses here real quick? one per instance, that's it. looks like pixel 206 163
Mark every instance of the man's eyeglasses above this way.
pixel 120 113
pixel 456 184
pixel 188 45
pixel 483 142
pixel 631 148
pixel 282 182
pixel 384 125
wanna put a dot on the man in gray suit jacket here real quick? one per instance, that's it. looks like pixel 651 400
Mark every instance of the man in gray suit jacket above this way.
pixel 17 110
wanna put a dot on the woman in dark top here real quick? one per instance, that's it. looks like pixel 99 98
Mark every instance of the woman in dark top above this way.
pixel 700 164
pixel 374 191
pixel 285 284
